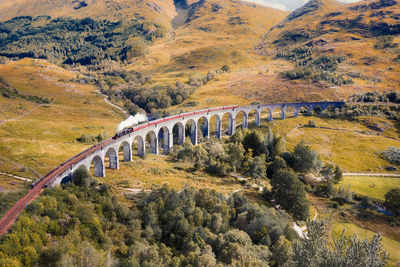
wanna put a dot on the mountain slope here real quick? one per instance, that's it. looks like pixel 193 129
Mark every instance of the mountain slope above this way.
pixel 159 11
pixel 210 33
pixel 329 50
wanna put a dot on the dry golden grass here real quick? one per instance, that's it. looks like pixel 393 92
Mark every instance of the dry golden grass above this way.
pixel 46 137
pixel 209 40
pixel 155 10
pixel 351 150
pixel 8 184
pixel 154 171
pixel 371 69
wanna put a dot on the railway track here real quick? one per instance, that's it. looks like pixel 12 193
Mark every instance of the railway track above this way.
pixel 9 218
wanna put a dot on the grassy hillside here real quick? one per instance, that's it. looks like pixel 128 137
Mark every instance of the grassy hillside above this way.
pixel 211 33
pixel 374 187
pixel 159 11
pixel 40 137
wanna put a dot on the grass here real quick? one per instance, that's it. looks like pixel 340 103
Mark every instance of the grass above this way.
pixel 390 245
pixel 8 184
pixel 47 136
pixel 351 150
pixel 374 187
pixel 153 171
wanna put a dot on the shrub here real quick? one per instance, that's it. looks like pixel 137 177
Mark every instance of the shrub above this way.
pixel 392 154
pixel 226 68
pixel 312 123
pixel 367 203
pixel 92 139
pixel 81 177
pixel 384 42
pixel 344 195
pixel 392 201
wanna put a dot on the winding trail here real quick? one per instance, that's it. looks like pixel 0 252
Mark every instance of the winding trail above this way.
pixel 111 104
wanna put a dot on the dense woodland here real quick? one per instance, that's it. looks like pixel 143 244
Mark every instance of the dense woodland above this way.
pixel 69 41
pixel 84 224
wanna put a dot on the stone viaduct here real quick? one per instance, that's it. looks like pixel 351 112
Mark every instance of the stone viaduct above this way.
pixel 162 134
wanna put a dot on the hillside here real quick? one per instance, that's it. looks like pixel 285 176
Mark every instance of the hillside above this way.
pixel 211 33
pixel 330 50
pixel 36 135
pixel 159 11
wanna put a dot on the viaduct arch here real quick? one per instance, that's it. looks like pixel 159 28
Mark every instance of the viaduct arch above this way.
pixel 158 135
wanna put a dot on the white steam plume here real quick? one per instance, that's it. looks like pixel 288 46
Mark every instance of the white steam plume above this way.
pixel 132 120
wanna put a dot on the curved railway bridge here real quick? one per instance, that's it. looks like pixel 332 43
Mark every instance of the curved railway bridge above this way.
pixel 158 135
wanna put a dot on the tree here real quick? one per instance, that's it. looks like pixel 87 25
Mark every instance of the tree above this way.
pixel 338 175
pixel 289 192
pixel 272 145
pixel 315 250
pixel 305 159
pixel 81 176
pixel 257 168
pixel 282 253
pixel 277 164
pixel 237 137
pixel 392 201
pixel 236 154
pixel 253 140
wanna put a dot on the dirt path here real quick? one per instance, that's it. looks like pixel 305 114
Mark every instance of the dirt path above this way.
pixel 113 105
pixel 371 174
pixel 16 177
pixel 21 116
pixel 302 231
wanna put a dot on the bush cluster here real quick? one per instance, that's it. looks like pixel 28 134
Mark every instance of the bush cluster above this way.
pixel 313 67
pixel 385 42
pixel 158 97
pixel 372 97
pixel 90 139
pixel 257 156
pixel 203 80
pixel 392 154
pixel 246 151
